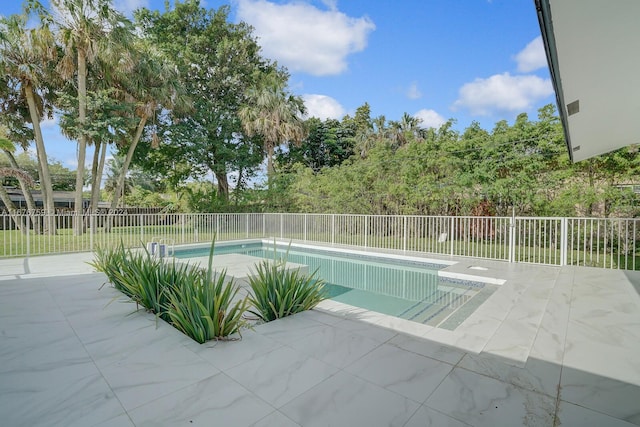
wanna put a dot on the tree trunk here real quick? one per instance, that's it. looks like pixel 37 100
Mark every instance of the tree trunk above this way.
pixel 270 170
pixel 82 140
pixel 45 176
pixel 95 179
pixel 26 192
pixel 127 161
pixel 223 185
pixel 11 208
pixel 103 156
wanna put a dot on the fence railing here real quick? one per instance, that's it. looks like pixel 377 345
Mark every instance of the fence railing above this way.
pixel 599 242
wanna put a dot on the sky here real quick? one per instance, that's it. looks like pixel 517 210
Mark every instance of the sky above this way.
pixel 467 60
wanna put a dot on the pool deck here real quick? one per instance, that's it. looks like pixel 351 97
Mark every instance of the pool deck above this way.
pixel 553 346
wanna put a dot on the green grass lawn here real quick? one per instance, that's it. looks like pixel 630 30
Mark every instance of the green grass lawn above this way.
pixel 15 243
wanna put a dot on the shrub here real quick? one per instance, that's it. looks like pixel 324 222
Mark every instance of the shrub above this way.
pixel 203 308
pixel 110 261
pixel 193 300
pixel 278 292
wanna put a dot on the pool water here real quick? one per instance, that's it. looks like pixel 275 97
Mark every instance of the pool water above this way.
pixel 406 289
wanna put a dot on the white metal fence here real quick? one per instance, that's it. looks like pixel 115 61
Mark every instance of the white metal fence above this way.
pixel 600 242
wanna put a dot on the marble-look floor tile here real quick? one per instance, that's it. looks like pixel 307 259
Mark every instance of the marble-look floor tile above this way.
pixel 217 400
pixel 227 354
pixel 461 341
pixel 428 348
pixel 619 399
pixel 290 329
pixel 406 373
pixel 366 329
pixel 346 400
pixel 320 316
pixel 570 415
pixel 482 401
pixel 336 347
pixel 138 345
pixel 121 420
pixel 427 417
pixel 71 395
pixel 536 375
pixel 137 382
pixel 281 375
pixel 276 419
pixel 42 352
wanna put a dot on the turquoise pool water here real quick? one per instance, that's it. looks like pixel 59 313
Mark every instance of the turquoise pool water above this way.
pixel 406 289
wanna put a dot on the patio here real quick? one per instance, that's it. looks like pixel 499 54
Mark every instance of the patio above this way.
pixel 556 346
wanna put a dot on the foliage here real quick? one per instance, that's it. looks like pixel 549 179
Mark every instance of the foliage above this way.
pixel 198 302
pixel 62 178
pixel 279 292
pixel 400 169
pixel 209 139
pixel 204 309
pixel 111 261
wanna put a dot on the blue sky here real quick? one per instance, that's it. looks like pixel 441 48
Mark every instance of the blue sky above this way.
pixel 468 60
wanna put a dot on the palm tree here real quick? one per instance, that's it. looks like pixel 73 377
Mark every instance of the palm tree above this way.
pixel 23 177
pixel 24 56
pixel 154 85
pixel 275 115
pixel 86 29
pixel 408 127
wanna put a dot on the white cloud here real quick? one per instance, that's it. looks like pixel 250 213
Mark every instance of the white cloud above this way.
pixel 502 93
pixel 414 92
pixel 305 38
pixel 430 118
pixel 532 57
pixel 128 6
pixel 323 107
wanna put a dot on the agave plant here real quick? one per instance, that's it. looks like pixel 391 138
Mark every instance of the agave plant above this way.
pixel 280 292
pixel 203 307
pixel 198 302
pixel 110 261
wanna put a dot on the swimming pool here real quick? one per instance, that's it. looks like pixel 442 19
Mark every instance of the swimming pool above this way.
pixel 405 288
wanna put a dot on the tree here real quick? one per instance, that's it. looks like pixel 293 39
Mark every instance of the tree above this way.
pixel 24 57
pixel 154 87
pixel 8 148
pixel 218 62
pixel 275 115
pixel 85 30
pixel 327 144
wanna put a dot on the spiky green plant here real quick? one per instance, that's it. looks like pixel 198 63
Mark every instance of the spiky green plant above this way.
pixel 279 292
pixel 204 307
pixel 110 261
pixel 198 302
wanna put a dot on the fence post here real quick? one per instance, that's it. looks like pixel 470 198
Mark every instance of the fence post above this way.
pixel 304 233
pixel 366 229
pixel 282 226
pixel 264 225
pixel 141 228
pixel 512 236
pixel 452 234
pixel 333 229
pixel 28 226
pixel 404 233
pixel 564 239
pixel 246 219
pixel 92 227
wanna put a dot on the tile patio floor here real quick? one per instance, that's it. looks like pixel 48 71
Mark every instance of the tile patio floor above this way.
pixel 554 346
